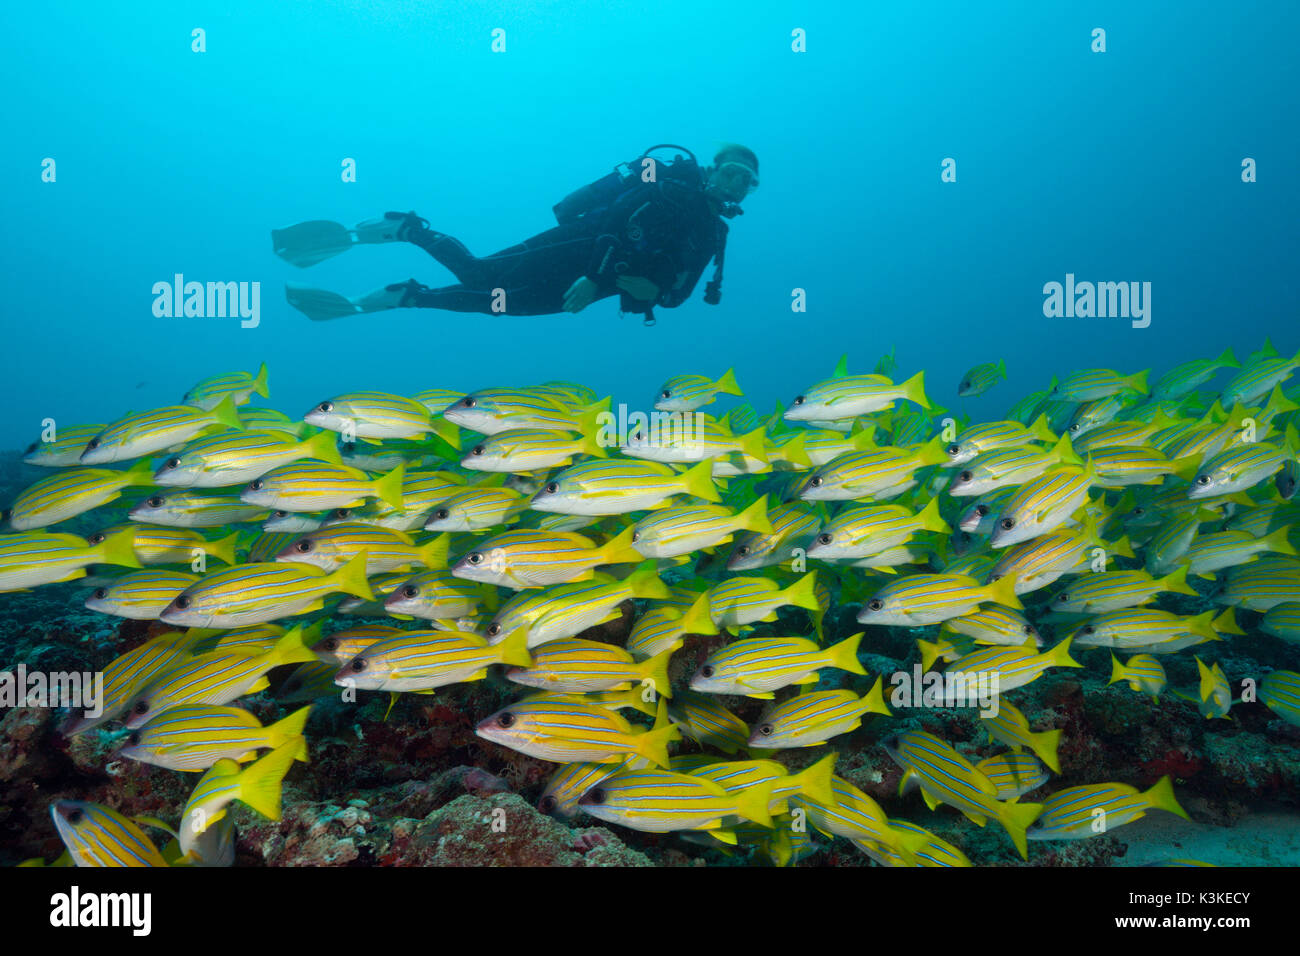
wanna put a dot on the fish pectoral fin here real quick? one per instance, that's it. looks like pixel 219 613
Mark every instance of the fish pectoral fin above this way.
pixel 930 801
pixel 975 818
pixel 768 696
pixel 261 684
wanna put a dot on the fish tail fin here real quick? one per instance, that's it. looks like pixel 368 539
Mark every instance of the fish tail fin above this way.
pixel 1003 592
pixel 1016 818
pixel 1226 623
pixel 653 744
pixel 1118 671
pixel 929 519
pixel 589 429
pixel 434 553
pixel 645 582
pixel 697 481
pixel 1278 542
pixel 1202 625
pixel 655 670
pixel 138 475
pixel 1045 745
pixel 224 549
pixel 1176 581
pixel 1064 452
pixel 227 414
pixel 1138 381
pixel 914 390
pixel 817 781
pixel 874 700
pixel 292 648
pixel 323 446
pixel 1228 359
pixel 514 649
pixel 259 782
pixel 795 451
pixel 754 444
pixel 389 488
pixel 697 619
pixel 1041 429
pixel 754 518
pixel 844 655
pixel 619 550
pixel 930 651
pixel 1059 656
pixel 727 384
pixel 752 803
pixel 1002 367
pixel 119 549
pixel 289 728
pixel 259 382
pixel 803 593
pixel 351 578
pixel 1161 797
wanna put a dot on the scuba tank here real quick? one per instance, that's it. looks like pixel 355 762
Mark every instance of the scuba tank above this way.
pixel 596 197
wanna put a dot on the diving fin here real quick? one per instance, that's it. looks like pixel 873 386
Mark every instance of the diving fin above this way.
pixel 308 243
pixel 319 304
pixel 311 242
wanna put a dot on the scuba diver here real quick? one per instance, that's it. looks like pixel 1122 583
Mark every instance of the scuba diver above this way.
pixel 644 232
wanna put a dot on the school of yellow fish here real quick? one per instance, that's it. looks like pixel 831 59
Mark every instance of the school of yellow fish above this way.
pixel 488 530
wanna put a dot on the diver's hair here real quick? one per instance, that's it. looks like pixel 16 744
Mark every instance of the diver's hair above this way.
pixel 734 151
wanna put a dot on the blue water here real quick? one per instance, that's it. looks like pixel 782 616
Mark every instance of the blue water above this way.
pixel 1123 165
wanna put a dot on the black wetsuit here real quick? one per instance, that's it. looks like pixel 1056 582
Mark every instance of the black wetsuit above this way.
pixel 663 231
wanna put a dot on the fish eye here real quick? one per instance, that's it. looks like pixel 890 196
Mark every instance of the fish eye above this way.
pixel 981 510
pixel 442 513
pixel 1139 512
pixel 97 538
pixel 342 514
pixel 798 400
pixel 410 591
pixel 1087 629
pixel 965 384
pixel 349 447
pixel 493 629
pixel 505 719
pixel 707 670
pixel 303 546
pixel 75 817
pixel 155 502
pixel 552 487
pixel 467 401
pixel 1028 629
pixel 326 406
pixel 31 448
pixel 743 550
pixel 474 557
pixel 279 514
pixel 1202 479
pixel 1065 597
pixel 101 593
pixel 666 393
pixel 994 577
pixel 358 664
pixel 181 602
pixel 134 738
pixel 172 463
pixel 765 730
pixel 1006 524
pixel 92 444
pixel 597 795
pixel 546 804
pixel 255 484
pixel 824 538
pixel 329 644
pixel 636 536
pixel 476 450
pixel 875 604
pixel 141 707
pixel 954 449
pixel 816 481
pixel 965 476
pixel 1075 427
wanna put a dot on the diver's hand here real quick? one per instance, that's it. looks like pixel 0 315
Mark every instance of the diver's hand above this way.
pixel 580 295
pixel 638 287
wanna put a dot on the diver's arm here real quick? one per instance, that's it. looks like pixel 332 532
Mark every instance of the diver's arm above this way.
pixel 637 216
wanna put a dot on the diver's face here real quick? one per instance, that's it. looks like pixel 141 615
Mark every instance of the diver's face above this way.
pixel 730 182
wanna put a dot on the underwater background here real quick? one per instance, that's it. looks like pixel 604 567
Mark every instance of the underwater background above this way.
pixel 1124 165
